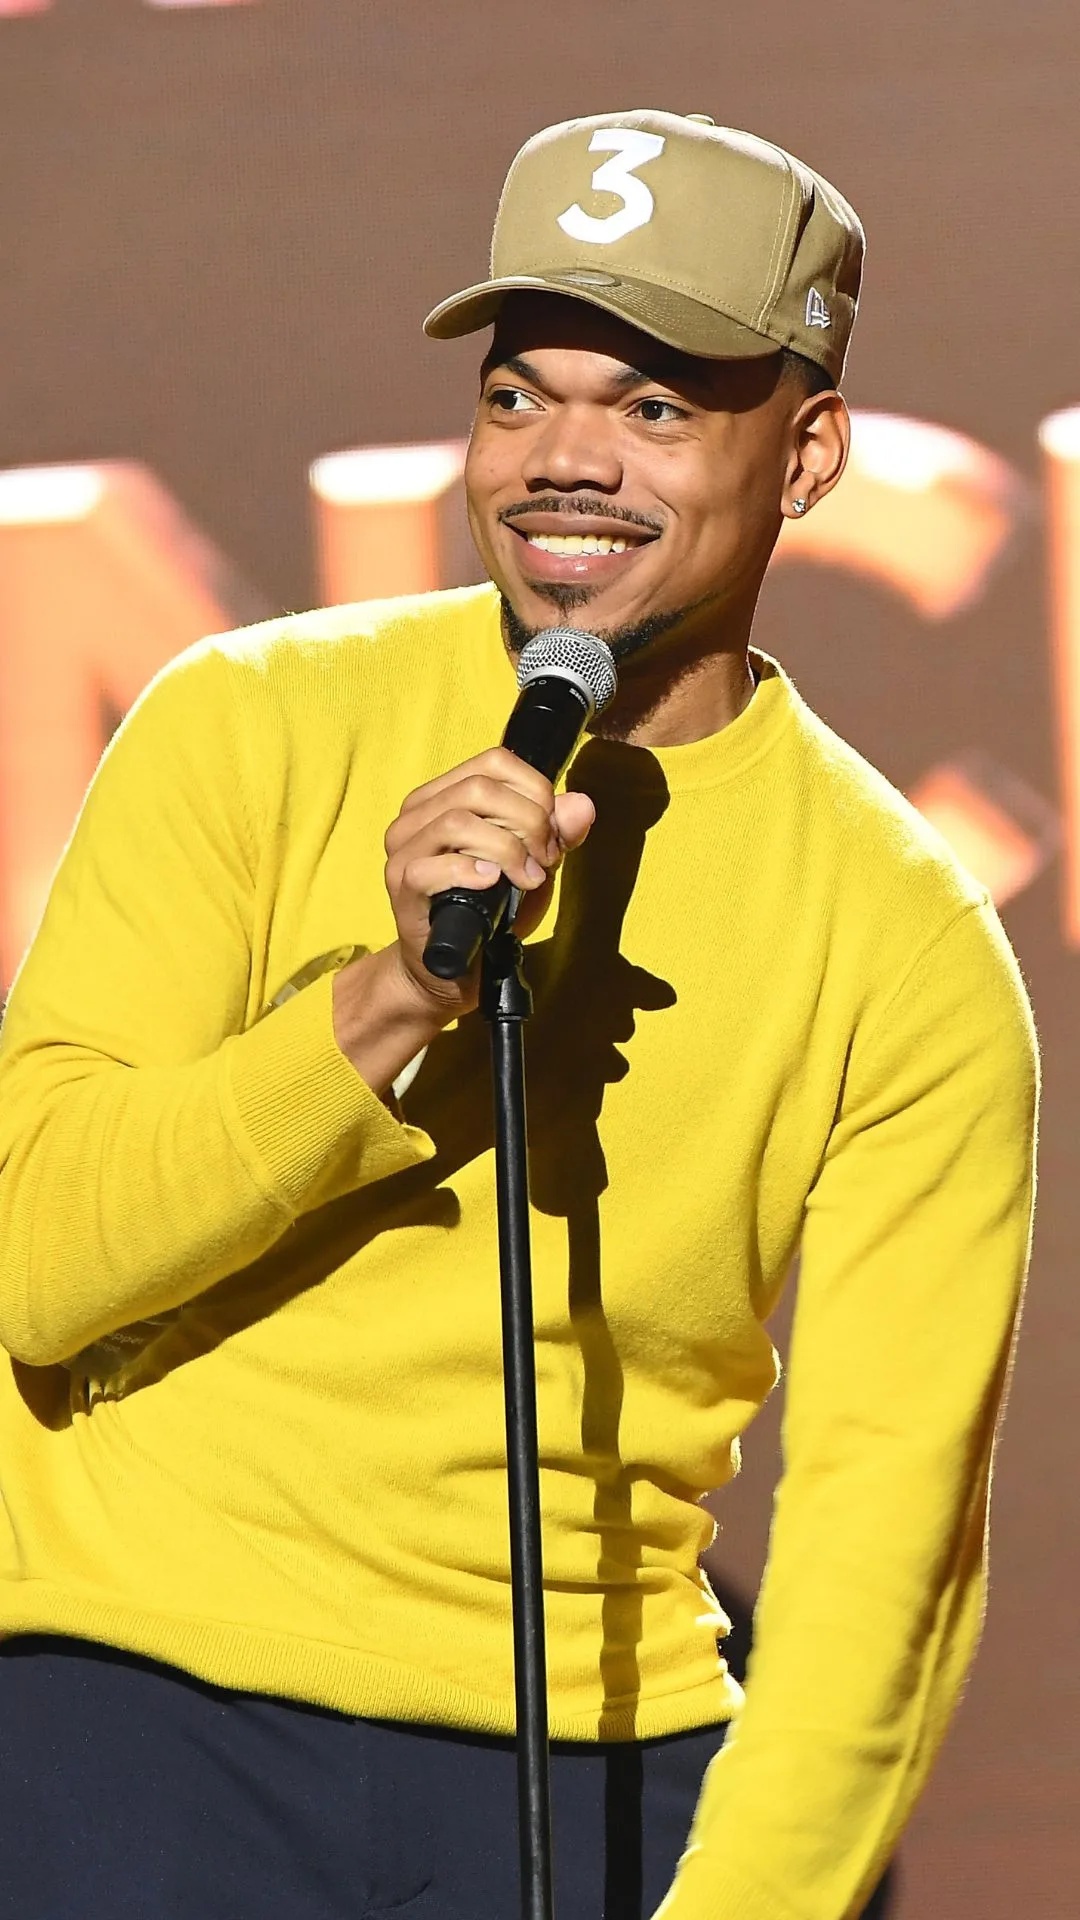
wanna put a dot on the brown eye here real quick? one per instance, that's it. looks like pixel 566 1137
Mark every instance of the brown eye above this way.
pixel 510 400
pixel 656 412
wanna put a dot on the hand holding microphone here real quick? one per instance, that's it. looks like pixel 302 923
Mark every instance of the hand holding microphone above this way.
pixel 565 677
pixel 491 821
pixel 491 831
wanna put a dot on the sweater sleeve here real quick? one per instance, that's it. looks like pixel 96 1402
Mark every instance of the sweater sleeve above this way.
pixel 915 1248
pixel 156 1135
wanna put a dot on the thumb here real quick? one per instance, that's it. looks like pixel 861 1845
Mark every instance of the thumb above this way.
pixel 574 815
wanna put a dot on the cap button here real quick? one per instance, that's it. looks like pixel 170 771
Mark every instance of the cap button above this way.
pixel 703 119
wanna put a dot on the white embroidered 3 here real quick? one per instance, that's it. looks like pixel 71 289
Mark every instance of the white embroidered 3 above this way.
pixel 631 148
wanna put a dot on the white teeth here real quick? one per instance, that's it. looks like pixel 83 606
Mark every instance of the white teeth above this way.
pixel 577 543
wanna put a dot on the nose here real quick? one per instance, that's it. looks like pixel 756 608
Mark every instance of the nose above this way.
pixel 574 449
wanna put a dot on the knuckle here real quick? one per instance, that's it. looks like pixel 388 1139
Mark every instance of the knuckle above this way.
pixel 510 771
pixel 459 823
pixel 481 794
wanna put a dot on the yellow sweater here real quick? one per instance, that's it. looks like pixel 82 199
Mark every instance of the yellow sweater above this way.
pixel 769 1007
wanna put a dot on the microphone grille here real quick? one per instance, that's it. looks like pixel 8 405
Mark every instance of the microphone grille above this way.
pixel 580 657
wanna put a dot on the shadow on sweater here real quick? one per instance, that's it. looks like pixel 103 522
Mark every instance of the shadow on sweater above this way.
pixel 588 999
pixel 588 996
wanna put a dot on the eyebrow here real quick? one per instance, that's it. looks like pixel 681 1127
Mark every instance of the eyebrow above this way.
pixel 621 382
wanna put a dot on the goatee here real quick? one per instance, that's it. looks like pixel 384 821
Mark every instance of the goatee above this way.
pixel 623 642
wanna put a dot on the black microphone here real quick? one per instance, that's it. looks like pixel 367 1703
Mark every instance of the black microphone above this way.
pixel 565 677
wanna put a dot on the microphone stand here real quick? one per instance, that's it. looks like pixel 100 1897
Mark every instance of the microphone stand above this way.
pixel 564 678
pixel 506 1003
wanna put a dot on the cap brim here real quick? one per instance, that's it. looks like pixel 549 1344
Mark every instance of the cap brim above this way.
pixel 676 319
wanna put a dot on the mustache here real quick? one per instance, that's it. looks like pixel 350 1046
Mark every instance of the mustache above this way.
pixel 580 504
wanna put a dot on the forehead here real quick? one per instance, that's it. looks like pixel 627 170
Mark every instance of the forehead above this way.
pixel 530 324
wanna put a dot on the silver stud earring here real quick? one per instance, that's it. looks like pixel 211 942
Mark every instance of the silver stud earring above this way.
pixel 799 506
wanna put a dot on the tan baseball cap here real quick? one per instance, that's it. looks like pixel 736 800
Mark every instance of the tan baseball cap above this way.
pixel 713 241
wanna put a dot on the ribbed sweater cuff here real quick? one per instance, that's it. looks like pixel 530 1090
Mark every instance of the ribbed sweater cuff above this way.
pixel 306 1123
pixel 709 1889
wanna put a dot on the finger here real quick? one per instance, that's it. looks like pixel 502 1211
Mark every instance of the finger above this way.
pixel 462 832
pixel 465 833
pixel 483 798
pixel 496 764
pixel 435 873
pixel 574 815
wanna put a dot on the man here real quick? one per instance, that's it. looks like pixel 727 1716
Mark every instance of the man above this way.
pixel 254 1554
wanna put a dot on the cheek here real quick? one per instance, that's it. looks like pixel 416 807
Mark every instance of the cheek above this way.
pixel 713 515
pixel 727 533
pixel 484 478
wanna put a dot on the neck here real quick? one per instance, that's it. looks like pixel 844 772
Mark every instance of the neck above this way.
pixel 677 684
pixel 684 690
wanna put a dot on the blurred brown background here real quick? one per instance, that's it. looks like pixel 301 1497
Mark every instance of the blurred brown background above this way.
pixel 220 227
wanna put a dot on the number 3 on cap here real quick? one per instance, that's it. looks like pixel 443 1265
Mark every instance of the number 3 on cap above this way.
pixel 631 149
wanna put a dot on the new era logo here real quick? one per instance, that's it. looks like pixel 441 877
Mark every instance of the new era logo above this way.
pixel 817 313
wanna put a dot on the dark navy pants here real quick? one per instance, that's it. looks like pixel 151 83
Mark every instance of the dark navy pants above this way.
pixel 129 1791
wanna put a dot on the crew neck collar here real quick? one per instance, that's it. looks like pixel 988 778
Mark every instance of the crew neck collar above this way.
pixel 710 762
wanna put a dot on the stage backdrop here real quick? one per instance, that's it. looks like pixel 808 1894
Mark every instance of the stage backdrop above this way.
pixel 220 226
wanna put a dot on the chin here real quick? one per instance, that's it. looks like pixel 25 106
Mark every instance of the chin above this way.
pixel 567 606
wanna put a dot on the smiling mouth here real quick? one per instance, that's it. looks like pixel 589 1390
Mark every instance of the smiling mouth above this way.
pixel 577 562
pixel 599 547
pixel 578 542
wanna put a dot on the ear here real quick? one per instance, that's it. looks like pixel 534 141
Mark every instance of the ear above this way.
pixel 820 443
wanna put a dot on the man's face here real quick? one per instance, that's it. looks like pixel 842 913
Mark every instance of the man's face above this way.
pixel 615 481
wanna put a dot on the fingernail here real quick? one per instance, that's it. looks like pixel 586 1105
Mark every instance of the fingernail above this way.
pixel 486 869
pixel 533 868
